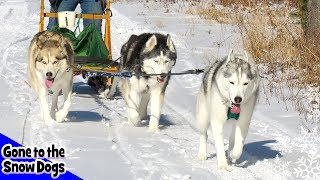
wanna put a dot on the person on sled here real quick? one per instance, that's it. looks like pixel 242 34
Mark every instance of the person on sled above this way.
pixel 87 7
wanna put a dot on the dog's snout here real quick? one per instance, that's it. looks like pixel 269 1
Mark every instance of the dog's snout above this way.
pixel 237 99
pixel 49 74
pixel 163 76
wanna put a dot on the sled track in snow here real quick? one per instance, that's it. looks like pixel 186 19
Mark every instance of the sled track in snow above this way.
pixel 18 77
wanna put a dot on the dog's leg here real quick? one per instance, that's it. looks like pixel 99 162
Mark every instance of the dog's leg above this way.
pixel 44 107
pixel 133 105
pixel 241 129
pixel 217 122
pixel 203 124
pixel 144 105
pixel 231 138
pixel 54 106
pixel 156 102
pixel 63 112
pixel 132 99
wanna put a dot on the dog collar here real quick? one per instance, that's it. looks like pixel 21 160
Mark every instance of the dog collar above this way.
pixel 232 115
pixel 234 111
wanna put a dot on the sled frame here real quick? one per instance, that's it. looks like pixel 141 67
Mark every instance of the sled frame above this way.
pixel 107 29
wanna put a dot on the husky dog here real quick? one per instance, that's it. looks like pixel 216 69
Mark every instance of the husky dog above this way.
pixel 146 54
pixel 229 86
pixel 50 58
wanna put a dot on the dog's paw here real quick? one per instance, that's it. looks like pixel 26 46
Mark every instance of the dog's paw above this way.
pixel 154 125
pixel 202 157
pixel 234 155
pixel 233 161
pixel 224 166
pixel 136 123
pixel 46 117
pixel 60 116
pixel 154 129
pixel 53 113
pixel 48 120
pixel 134 119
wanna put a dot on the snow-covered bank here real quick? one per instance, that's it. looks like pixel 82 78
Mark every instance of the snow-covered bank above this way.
pixel 99 142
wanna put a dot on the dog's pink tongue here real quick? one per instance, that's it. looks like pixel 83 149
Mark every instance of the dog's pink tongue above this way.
pixel 49 83
pixel 235 109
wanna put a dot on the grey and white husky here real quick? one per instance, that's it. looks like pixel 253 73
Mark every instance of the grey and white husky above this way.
pixel 146 54
pixel 229 87
pixel 50 59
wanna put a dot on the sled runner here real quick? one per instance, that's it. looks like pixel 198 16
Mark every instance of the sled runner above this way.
pixel 92 52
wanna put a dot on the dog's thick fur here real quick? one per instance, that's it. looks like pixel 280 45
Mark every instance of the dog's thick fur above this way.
pixel 146 54
pixel 233 81
pixel 50 59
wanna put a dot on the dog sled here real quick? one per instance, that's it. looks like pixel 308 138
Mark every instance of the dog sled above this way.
pixel 92 53
pixel 89 61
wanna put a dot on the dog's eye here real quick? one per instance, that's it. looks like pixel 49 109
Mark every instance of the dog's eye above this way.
pixel 166 61
pixel 231 82
pixel 43 62
pixel 156 61
pixel 245 84
pixel 55 62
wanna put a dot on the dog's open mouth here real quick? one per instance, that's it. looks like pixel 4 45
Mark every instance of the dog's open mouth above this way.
pixel 49 82
pixel 235 108
pixel 161 78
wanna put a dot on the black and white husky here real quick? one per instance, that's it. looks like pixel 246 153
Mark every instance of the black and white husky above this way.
pixel 229 88
pixel 146 54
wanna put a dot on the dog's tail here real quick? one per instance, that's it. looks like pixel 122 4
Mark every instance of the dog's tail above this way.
pixel 68 46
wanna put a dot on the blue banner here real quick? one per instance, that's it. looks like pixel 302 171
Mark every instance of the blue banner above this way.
pixel 18 162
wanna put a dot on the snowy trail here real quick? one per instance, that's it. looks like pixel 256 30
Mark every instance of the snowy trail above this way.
pixel 137 150
pixel 97 132
pixel 179 134
pixel 14 78
pixel 29 129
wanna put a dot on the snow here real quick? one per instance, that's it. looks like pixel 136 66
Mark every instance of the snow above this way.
pixel 99 142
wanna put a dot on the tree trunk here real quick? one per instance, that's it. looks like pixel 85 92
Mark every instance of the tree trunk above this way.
pixel 313 23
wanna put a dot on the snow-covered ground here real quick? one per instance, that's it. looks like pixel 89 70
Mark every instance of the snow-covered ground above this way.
pixel 100 144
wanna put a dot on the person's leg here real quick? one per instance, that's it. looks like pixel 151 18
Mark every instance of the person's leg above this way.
pixel 92 7
pixel 53 9
pixel 61 5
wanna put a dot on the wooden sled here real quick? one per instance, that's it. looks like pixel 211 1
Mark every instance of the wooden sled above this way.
pixel 81 63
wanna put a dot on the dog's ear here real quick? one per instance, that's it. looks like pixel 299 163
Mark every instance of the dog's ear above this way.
pixel 151 43
pixel 59 40
pixel 230 55
pixel 39 44
pixel 170 44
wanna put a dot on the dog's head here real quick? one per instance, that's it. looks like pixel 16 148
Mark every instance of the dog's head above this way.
pixel 53 55
pixel 158 56
pixel 239 77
